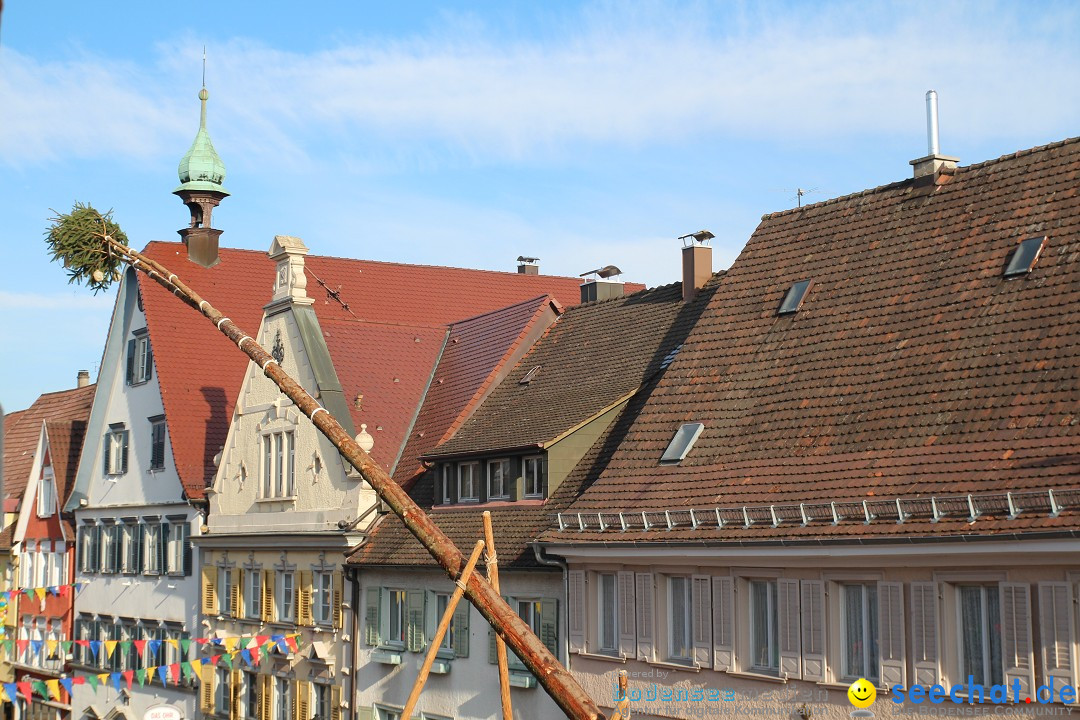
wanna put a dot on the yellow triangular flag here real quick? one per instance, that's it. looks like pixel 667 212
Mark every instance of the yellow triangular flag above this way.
pixel 110 645
pixel 51 646
pixel 40 592
pixel 173 641
pixel 230 643
pixel 54 688
pixel 102 678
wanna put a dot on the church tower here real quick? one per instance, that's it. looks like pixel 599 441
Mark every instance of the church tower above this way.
pixel 201 176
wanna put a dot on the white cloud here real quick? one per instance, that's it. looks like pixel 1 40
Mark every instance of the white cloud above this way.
pixel 663 74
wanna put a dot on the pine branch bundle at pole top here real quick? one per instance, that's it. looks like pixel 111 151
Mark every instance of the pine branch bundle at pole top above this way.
pixel 92 247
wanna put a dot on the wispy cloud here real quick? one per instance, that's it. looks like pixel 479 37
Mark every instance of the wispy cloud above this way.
pixel 605 76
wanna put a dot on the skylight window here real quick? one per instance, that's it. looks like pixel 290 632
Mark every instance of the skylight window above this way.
pixel 529 376
pixel 681 444
pixel 794 298
pixel 670 357
pixel 1025 256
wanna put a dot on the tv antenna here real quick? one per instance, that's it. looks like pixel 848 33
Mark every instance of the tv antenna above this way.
pixel 204 66
pixel 799 193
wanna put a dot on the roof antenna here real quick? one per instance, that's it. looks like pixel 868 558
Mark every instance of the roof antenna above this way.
pixel 204 66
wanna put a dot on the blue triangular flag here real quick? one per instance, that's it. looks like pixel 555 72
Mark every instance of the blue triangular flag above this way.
pixel 163 673
pixel 11 690
pixel 154 645
pixel 53 590
pixel 68 683
pixel 35 646
pixel 95 646
pixel 246 655
pixel 115 677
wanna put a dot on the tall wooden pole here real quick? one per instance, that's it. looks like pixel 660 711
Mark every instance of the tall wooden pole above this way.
pixel 492 560
pixel 558 683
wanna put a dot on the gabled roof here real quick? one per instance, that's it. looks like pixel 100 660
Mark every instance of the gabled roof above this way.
pixel 22 430
pixel 594 356
pixel 913 368
pixel 390 304
pixel 64 415
pixel 478 352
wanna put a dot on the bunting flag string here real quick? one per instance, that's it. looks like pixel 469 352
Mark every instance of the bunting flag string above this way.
pixel 6 596
pixel 249 654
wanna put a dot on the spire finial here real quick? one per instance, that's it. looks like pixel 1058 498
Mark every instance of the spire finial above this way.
pixel 204 66
pixel 203 95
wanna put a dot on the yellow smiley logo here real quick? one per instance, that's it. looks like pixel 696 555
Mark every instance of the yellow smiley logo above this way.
pixel 862 693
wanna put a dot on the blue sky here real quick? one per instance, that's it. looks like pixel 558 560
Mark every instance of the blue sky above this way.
pixel 468 134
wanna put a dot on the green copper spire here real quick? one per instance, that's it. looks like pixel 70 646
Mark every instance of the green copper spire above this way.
pixel 201 168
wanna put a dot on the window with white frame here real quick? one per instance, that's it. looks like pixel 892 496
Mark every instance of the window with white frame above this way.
pixel 468 482
pixel 498 479
pixel 607 630
pixel 222 706
pixel 90 548
pixel 129 654
pixel 282 699
pixel 140 360
pixel 859 621
pixel 115 451
pixel 446 483
pixel 46 493
pixel 764 649
pixel 115 632
pixel 131 552
pixel 176 546
pixel 442 600
pixel 979 610
pixel 224 593
pixel 286 596
pixel 157 442
pixel 155 646
pixel 253 593
pixel 250 697
pixel 395 623
pixel 322 588
pixel 110 547
pixel 679 619
pixel 279 465
pixel 385 713
pixel 533 472
pixel 152 554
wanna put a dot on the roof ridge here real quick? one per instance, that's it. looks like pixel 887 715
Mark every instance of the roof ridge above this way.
pixel 594 303
pixel 889 186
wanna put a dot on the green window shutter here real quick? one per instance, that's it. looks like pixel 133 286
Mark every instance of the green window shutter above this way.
pixel 415 607
pixel 549 624
pixel 371 619
pixel 493 652
pixel 460 623
pixel 131 362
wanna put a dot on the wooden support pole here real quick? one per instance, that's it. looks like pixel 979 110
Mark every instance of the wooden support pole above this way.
pixel 492 560
pixel 622 707
pixel 556 680
pixel 440 633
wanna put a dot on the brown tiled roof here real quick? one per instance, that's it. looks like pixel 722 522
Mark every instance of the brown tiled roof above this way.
pixel 913 368
pixel 477 353
pixel 65 414
pixel 593 356
pixel 65 444
pixel 648 326
pixel 390 304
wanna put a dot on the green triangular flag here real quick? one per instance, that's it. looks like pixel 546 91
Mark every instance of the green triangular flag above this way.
pixel 92 680
pixel 125 645
pixel 228 660
pixel 242 643
pixel 186 668
pixel 8 645
pixel 39 686
pixel 140 675
pixel 185 644
pixel 65 645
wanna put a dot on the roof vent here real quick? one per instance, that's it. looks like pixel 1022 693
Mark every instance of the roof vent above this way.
pixel 528 265
pixel 599 286
pixel 682 443
pixel 529 376
pixel 794 298
pixel 1025 256
pixel 934 162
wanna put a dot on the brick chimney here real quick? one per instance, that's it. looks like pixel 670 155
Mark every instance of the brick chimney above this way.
pixel 82 379
pixel 696 262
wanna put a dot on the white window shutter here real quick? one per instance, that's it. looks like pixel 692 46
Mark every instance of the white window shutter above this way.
pixel 576 579
pixel 701 617
pixel 891 631
pixel 722 609
pixel 1017 656
pixel 627 620
pixel 924 632
pixel 787 629
pixel 813 630
pixel 644 616
pixel 1056 634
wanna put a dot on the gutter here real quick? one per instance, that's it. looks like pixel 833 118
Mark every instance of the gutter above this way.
pixel 557 561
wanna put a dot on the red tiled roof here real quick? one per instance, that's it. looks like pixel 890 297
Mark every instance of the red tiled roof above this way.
pixel 475 357
pixel 65 413
pixel 913 368
pixel 200 371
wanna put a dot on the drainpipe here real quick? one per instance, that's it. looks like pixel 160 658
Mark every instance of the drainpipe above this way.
pixel 556 561
pixel 354 700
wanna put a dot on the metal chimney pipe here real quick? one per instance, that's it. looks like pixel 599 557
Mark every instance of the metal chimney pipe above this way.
pixel 931 123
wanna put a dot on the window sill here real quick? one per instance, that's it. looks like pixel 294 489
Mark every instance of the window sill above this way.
pixel 602 656
pixel 283 499
pixel 522 680
pixel 387 656
pixel 675 665
pixel 751 675
pixel 441 666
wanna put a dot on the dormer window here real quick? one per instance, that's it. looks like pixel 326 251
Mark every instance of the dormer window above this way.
pixel 1025 256
pixel 681 444
pixel 498 479
pixel 46 493
pixel 533 472
pixel 794 298
pixel 446 483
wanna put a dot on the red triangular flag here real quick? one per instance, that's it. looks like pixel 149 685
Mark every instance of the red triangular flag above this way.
pixel 261 639
pixel 21 645
pixel 254 656
pixel 25 689
pixel 174 672
pixel 129 675
pixel 140 645
pixel 291 641
pixel 201 641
